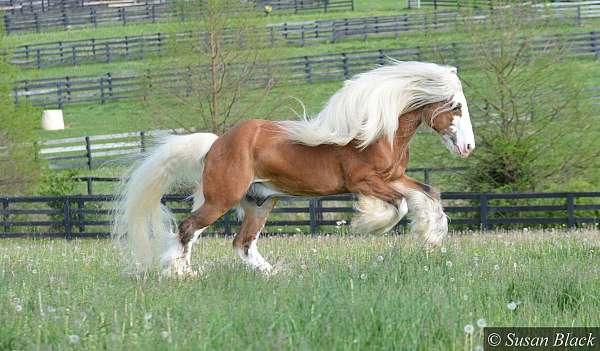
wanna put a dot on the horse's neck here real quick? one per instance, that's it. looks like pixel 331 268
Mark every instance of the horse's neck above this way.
pixel 408 124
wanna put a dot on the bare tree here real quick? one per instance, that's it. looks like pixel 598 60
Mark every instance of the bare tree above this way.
pixel 220 73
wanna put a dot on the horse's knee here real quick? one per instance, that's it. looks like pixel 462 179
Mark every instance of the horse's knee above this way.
pixel 201 218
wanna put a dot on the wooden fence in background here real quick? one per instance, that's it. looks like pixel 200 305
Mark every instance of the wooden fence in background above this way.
pixel 307 69
pixel 97 15
pixel 138 47
pixel 89 216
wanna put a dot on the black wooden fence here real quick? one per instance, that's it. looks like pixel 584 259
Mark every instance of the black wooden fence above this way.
pixel 307 69
pixel 89 216
pixel 94 16
pixel 137 47
pixel 424 173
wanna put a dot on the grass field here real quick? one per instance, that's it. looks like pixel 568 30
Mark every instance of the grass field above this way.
pixel 332 293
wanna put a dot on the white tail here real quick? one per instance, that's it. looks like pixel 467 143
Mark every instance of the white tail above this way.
pixel 141 222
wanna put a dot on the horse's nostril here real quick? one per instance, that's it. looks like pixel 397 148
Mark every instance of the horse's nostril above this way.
pixel 469 147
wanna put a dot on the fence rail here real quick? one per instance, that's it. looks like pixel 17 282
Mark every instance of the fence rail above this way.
pixel 89 216
pixel 138 47
pixel 307 69
pixel 94 16
pixel 424 173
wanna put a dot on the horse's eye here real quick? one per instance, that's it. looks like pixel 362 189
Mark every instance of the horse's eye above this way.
pixel 458 108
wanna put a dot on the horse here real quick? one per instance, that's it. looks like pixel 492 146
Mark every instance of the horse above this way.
pixel 357 144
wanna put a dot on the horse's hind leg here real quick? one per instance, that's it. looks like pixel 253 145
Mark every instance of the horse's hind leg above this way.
pixel 244 244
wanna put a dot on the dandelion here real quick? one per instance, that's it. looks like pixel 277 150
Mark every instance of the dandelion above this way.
pixel 18 308
pixel 363 276
pixel 314 250
pixel 496 267
pixel 443 250
pixel 74 339
pixel 469 329
pixel 426 268
pixel 380 258
pixel 481 323
pixel 451 280
pixel 449 264
pixel 147 316
pixel 512 306
pixel 164 334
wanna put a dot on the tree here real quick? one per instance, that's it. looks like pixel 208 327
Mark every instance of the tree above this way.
pixel 531 112
pixel 220 71
pixel 18 169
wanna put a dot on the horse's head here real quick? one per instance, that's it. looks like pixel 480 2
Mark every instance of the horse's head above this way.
pixel 450 119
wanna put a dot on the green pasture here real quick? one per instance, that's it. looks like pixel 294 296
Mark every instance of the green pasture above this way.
pixel 330 293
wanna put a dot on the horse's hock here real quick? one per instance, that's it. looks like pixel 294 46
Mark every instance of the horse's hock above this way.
pixel 53 120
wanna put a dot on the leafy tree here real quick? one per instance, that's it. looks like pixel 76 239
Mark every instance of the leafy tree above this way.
pixel 530 108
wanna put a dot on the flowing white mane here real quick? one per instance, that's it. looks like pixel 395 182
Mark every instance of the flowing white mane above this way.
pixel 368 105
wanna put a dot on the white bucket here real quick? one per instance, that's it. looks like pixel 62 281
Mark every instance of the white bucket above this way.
pixel 53 120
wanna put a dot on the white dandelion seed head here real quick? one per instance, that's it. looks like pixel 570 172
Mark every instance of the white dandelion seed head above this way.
pixel 363 276
pixel 18 308
pixel 147 316
pixel 164 334
pixel 380 258
pixel 74 339
pixel 451 280
pixel 449 263
pixel 443 250
pixel 426 268
pixel 469 329
pixel 496 267
pixel 511 305
pixel 481 323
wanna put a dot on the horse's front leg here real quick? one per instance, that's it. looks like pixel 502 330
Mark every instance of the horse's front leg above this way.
pixel 379 207
pixel 425 209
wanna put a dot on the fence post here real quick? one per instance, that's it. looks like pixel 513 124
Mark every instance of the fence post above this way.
pixel 142 142
pixel 308 69
pixel 67 218
pixel 5 215
pixel 595 48
pixel 426 175
pixel 38 58
pixel 570 211
pixel 88 152
pixel 80 214
pixel 483 212
pixel 37 22
pixel 345 66
pixel 90 185
pixel 59 94
pixel 110 87
pixel 312 212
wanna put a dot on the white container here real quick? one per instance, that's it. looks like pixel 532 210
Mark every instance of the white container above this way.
pixel 53 120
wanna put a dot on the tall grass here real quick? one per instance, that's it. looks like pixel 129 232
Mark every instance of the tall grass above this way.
pixel 335 292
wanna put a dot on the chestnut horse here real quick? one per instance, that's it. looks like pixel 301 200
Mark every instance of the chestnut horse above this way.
pixel 357 144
